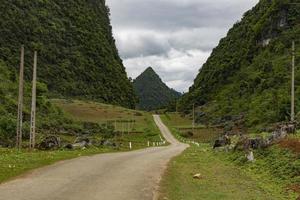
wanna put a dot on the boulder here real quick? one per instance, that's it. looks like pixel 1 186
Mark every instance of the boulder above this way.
pixel 222 141
pixel 86 141
pixel 197 176
pixel 246 143
pixel 109 143
pixel 257 143
pixel 250 156
pixel 50 143
pixel 80 145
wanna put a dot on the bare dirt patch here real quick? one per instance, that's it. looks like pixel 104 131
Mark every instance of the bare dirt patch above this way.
pixel 292 144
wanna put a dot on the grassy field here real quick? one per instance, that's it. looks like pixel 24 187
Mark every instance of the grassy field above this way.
pixel 182 126
pixel 228 175
pixel 134 126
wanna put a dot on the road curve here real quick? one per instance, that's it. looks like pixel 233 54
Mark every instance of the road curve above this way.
pixel 113 176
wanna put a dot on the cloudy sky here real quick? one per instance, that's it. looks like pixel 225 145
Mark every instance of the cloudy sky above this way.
pixel 175 37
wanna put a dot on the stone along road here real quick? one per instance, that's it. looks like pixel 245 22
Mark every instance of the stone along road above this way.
pixel 114 176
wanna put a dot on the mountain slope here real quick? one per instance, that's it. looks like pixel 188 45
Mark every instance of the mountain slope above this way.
pixel 77 53
pixel 248 74
pixel 152 91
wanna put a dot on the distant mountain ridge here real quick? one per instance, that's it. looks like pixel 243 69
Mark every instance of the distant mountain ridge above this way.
pixel 153 93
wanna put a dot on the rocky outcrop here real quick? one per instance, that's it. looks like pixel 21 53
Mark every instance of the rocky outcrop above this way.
pixel 245 143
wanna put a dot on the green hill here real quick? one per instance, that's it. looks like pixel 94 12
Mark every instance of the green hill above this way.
pixel 153 93
pixel 248 75
pixel 77 58
pixel 77 53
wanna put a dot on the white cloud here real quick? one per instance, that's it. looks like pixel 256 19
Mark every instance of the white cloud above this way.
pixel 175 37
pixel 178 69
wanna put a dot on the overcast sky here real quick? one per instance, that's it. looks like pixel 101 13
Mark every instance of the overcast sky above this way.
pixel 175 37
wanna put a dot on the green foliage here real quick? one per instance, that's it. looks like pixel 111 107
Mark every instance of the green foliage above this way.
pixel 50 118
pixel 248 73
pixel 152 92
pixel 77 56
pixel 277 164
pixel 221 179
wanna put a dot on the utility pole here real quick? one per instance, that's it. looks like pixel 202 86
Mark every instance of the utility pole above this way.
pixel 33 104
pixel 293 84
pixel 193 118
pixel 20 102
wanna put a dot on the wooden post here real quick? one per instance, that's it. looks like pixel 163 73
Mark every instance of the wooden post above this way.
pixel 20 102
pixel 33 104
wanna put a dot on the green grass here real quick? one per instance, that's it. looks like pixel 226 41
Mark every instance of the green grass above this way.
pixel 221 179
pixel 134 126
pixel 182 126
pixel 176 120
pixel 229 175
pixel 14 162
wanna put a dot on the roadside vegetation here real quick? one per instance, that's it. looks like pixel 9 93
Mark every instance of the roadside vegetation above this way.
pixel 182 127
pixel 14 162
pixel 129 125
pixel 274 174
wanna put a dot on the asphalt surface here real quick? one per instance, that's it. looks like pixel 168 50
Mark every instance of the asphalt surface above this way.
pixel 131 175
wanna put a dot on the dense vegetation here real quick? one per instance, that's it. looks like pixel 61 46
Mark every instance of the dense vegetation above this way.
pixel 50 119
pixel 77 53
pixel 248 74
pixel 153 93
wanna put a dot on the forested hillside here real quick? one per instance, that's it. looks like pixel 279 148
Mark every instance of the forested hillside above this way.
pixel 153 93
pixel 50 119
pixel 248 75
pixel 77 53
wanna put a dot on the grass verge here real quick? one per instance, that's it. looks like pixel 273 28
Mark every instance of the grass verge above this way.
pixel 14 163
pixel 274 175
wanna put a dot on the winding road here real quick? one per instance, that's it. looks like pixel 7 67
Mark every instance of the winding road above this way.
pixel 131 175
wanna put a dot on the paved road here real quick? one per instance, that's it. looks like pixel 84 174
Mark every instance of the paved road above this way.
pixel 114 176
